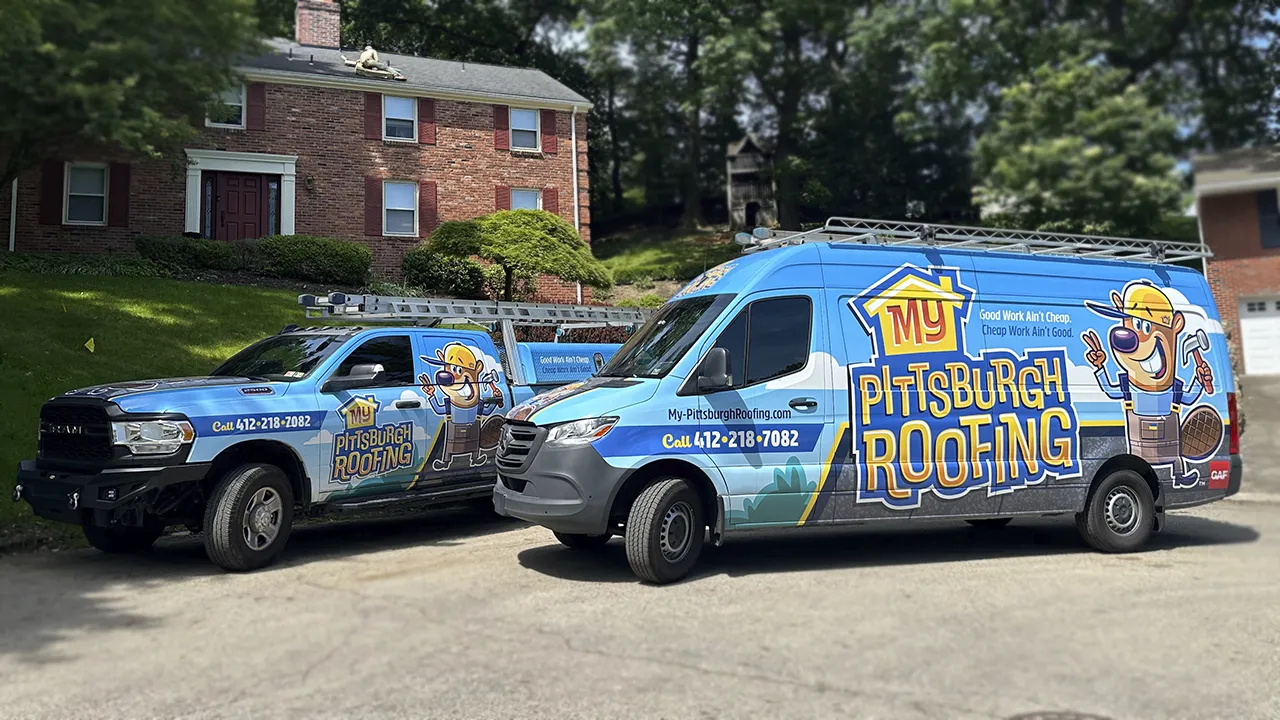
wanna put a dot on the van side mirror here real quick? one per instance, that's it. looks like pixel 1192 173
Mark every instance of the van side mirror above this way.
pixel 359 377
pixel 713 371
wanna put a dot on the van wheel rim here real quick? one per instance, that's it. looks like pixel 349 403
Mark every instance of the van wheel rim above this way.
pixel 676 534
pixel 1122 511
pixel 262 519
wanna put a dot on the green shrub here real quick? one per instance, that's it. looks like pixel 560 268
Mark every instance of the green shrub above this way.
pixel 648 300
pixel 99 265
pixel 314 259
pixel 443 276
pixel 194 253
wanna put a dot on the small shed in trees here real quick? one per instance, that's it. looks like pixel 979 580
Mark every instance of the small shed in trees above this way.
pixel 750 185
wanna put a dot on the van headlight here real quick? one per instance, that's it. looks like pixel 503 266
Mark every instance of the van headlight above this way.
pixel 153 437
pixel 581 432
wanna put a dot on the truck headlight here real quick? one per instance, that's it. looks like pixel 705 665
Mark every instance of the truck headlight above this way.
pixel 581 432
pixel 153 437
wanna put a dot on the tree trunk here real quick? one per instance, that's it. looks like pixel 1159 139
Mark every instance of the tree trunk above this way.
pixel 788 115
pixel 692 217
pixel 508 283
pixel 615 172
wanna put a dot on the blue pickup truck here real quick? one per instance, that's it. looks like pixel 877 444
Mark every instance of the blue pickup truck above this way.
pixel 310 420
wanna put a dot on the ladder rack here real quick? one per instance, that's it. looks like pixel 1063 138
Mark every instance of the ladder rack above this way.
pixel 1030 242
pixel 436 311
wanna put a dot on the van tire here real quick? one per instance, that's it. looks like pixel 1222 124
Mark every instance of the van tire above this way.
pixel 1119 515
pixel 578 541
pixel 989 523
pixel 122 539
pixel 242 488
pixel 665 531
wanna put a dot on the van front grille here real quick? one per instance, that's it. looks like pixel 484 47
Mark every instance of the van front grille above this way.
pixel 517 445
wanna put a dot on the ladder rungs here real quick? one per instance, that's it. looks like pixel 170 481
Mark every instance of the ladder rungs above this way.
pixel 386 308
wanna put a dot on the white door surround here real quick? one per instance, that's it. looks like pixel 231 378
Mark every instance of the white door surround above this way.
pixel 259 163
pixel 1260 335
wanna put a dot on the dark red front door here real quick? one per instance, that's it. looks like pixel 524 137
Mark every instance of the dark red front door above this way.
pixel 240 207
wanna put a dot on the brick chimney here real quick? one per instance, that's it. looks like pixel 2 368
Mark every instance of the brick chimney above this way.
pixel 318 23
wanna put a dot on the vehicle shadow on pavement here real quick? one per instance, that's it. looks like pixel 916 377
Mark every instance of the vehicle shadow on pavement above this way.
pixel 47 596
pixel 869 546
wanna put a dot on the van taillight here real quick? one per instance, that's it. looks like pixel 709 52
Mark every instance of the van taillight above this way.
pixel 1235 423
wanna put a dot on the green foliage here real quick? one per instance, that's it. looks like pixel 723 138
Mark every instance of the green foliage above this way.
pixel 1076 144
pixel 142 328
pixel 134 74
pixel 441 275
pixel 523 244
pixel 782 501
pixel 648 300
pixel 85 265
pixel 644 256
pixel 314 259
pixel 194 253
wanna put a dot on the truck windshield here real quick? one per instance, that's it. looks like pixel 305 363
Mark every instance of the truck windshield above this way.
pixel 281 357
pixel 659 345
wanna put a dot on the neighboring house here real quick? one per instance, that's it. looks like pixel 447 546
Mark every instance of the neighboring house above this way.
pixel 1237 206
pixel 308 146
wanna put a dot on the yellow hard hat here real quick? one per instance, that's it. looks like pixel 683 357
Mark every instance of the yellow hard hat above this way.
pixel 1141 300
pixel 456 355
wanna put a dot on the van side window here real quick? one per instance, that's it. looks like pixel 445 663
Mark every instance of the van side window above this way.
pixel 768 339
pixel 394 354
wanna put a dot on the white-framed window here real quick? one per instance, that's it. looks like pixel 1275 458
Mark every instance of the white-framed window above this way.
pixel 229 112
pixel 85 196
pixel 399 208
pixel 399 118
pixel 523 199
pixel 524 129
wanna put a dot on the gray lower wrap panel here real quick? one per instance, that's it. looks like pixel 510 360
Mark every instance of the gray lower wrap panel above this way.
pixel 565 489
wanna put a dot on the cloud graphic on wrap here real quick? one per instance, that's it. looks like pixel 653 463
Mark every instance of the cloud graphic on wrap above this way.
pixel 822 373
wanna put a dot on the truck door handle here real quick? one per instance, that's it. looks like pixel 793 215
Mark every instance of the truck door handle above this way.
pixel 804 404
pixel 405 404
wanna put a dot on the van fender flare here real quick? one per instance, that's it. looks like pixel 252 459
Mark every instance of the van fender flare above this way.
pixel 706 477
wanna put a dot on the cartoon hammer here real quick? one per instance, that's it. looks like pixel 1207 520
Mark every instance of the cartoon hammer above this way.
pixel 1192 346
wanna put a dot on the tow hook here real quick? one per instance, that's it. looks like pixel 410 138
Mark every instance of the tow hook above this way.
pixel 17 492
pixel 73 500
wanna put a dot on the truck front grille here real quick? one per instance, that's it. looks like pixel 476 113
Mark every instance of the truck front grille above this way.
pixel 517 445
pixel 79 433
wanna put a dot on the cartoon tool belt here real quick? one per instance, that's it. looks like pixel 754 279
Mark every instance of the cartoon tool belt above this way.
pixel 1147 345
pixel 455 392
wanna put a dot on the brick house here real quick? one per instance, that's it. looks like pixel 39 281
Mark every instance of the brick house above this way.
pixel 308 146
pixel 1237 206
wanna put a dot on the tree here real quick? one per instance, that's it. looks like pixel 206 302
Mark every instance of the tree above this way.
pixel 522 243
pixel 137 75
pixel 1079 147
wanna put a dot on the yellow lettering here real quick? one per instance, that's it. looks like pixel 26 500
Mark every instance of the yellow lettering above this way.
pixel 938 388
pixel 977 448
pixel 667 441
pixel 340 467
pixel 1057 453
pixel 918 368
pixel 879 451
pixel 1053 377
pixel 988 383
pixel 1029 384
pixel 870 393
pixel 960 387
pixel 1004 379
pixel 945 479
pixel 1020 443
pixel 909 471
pixel 902 383
pixel 884 382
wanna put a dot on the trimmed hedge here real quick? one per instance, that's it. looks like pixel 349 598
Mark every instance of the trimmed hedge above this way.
pixel 193 253
pixel 444 276
pixel 648 300
pixel 315 259
pixel 99 265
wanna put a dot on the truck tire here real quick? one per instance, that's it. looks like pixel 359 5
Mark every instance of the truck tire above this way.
pixel 665 531
pixel 989 523
pixel 248 518
pixel 578 541
pixel 122 539
pixel 1120 514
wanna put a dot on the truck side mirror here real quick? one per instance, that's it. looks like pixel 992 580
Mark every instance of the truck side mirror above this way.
pixel 360 376
pixel 713 371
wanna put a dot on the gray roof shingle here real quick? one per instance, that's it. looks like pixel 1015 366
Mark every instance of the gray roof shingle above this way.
pixel 422 74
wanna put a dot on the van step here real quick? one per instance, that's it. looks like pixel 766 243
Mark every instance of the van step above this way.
pixel 427 496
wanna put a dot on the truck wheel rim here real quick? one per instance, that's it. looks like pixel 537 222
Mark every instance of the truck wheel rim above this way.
pixel 1122 510
pixel 676 532
pixel 262 519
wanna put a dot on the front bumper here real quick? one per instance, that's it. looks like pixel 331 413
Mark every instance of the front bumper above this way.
pixel 568 490
pixel 73 497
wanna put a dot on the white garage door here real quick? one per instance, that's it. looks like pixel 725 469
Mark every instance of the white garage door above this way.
pixel 1260 336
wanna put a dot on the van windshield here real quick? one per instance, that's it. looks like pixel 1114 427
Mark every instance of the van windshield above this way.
pixel 659 345
pixel 281 357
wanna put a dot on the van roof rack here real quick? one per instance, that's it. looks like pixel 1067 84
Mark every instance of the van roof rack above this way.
pixel 437 311
pixel 1029 242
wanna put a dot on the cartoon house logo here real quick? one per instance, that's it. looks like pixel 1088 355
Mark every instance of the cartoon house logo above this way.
pixel 707 279
pixel 914 311
pixel 360 411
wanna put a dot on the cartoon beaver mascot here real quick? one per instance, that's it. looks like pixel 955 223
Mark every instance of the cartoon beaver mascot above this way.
pixel 1145 346
pixel 455 393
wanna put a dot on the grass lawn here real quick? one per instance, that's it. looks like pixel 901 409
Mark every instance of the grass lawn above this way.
pixel 141 327
pixel 663 254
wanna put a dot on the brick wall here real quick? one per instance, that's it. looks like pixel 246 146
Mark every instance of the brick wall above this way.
pixel 325 129
pixel 1241 267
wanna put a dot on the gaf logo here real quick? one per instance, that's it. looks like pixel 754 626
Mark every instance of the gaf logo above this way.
pixel 1219 474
